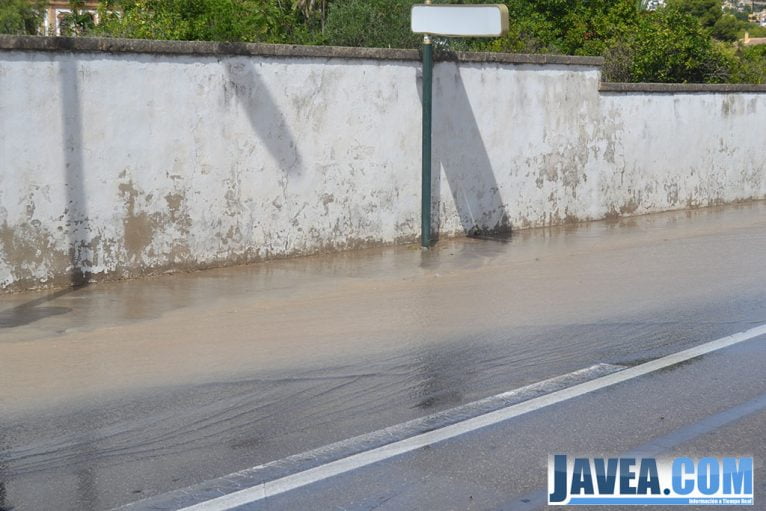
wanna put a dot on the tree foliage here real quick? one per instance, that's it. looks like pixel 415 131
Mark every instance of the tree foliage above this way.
pixel 669 46
pixel 685 41
pixel 212 20
pixel 726 28
pixel 371 23
pixel 21 17
pixel 707 12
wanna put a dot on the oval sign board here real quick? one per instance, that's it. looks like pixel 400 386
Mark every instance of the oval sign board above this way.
pixel 460 20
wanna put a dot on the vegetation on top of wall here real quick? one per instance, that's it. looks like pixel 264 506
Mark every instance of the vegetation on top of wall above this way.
pixel 685 41
pixel 206 20
pixel 21 17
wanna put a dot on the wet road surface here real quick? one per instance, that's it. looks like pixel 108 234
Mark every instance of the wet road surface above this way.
pixel 116 392
pixel 504 466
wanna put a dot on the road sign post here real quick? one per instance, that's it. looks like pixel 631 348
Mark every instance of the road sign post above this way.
pixel 452 21
pixel 425 207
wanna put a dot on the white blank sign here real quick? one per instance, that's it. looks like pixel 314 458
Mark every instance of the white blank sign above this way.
pixel 460 20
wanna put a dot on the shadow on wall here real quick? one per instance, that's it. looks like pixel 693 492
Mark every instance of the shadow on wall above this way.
pixel 76 209
pixel 459 152
pixel 266 119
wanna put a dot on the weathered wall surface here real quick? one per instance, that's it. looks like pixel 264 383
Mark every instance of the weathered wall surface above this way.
pixel 151 156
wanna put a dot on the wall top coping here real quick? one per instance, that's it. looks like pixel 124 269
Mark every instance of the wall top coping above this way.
pixel 679 88
pixel 205 48
pixel 208 48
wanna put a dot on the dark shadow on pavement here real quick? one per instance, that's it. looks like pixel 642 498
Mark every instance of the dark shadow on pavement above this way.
pixel 29 312
pixel 4 504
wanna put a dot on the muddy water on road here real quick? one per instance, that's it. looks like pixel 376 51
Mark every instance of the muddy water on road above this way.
pixel 313 312
pixel 144 386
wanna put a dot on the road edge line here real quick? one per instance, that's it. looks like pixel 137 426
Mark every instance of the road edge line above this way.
pixel 365 458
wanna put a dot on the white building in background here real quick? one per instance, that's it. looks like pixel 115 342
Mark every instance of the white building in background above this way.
pixel 652 5
pixel 58 9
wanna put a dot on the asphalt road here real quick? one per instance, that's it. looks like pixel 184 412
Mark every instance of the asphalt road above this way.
pixel 503 467
pixel 119 392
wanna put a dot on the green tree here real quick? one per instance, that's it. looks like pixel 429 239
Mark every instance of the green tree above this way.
pixel 748 64
pixel 726 28
pixel 22 17
pixel 753 29
pixel 596 26
pixel 706 11
pixel 210 20
pixel 740 15
pixel 670 45
pixel 370 23
pixel 579 27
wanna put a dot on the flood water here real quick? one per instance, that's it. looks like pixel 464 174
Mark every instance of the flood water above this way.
pixel 117 391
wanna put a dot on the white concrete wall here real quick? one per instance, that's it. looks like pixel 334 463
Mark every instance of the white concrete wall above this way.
pixel 121 164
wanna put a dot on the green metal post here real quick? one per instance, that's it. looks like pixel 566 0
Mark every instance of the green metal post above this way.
pixel 425 215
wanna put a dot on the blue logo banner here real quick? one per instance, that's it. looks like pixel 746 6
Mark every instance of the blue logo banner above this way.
pixel 682 481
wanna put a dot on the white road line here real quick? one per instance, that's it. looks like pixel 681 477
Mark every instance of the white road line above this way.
pixel 288 483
